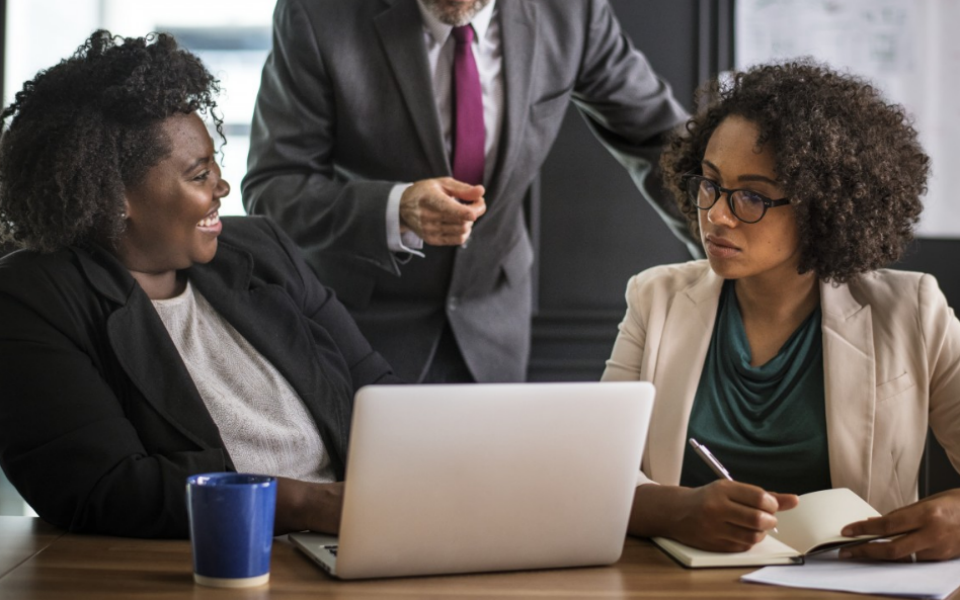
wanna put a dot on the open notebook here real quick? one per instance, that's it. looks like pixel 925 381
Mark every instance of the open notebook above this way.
pixel 813 526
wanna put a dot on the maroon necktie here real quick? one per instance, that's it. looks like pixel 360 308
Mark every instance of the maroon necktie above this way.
pixel 468 136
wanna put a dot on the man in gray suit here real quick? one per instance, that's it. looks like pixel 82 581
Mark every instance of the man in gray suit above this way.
pixel 359 98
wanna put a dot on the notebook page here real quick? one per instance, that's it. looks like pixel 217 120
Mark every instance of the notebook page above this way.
pixel 820 517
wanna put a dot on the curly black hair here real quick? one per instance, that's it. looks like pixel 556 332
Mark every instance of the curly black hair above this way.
pixel 849 161
pixel 86 129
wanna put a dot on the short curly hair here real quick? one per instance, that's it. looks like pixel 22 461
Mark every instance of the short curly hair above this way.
pixel 86 129
pixel 849 161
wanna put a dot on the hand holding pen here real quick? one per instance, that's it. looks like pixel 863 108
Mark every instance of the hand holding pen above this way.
pixel 741 506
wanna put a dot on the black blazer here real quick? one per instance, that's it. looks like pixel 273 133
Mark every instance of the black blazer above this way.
pixel 100 422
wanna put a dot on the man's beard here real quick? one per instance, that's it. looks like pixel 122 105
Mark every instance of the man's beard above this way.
pixel 455 14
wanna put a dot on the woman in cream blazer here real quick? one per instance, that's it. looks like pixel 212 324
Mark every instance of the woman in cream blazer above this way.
pixel 848 173
pixel 890 351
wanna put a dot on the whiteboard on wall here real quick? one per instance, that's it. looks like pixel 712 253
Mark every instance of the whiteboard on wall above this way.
pixel 910 49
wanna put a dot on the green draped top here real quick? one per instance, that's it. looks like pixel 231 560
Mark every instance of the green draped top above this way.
pixel 766 424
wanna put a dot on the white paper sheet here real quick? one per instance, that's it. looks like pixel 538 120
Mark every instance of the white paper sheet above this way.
pixel 827 572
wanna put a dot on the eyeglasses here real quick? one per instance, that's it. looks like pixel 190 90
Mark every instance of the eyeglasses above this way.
pixel 747 206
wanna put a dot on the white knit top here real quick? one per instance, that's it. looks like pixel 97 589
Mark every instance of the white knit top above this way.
pixel 263 422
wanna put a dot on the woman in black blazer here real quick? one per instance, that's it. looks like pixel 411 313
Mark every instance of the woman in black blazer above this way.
pixel 109 182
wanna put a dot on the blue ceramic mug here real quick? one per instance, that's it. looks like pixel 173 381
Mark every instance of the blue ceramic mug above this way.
pixel 231 527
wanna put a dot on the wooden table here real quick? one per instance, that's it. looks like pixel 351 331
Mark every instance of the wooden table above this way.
pixel 53 565
pixel 21 538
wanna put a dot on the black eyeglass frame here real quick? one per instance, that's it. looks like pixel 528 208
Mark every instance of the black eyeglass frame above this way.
pixel 767 202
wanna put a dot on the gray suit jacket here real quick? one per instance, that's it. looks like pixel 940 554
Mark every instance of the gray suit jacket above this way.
pixel 346 110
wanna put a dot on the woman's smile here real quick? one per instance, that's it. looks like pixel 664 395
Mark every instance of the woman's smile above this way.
pixel 211 222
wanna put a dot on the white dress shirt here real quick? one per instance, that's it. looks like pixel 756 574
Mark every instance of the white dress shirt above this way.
pixel 487 52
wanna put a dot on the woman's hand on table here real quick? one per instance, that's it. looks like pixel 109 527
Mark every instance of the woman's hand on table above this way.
pixel 302 505
pixel 925 530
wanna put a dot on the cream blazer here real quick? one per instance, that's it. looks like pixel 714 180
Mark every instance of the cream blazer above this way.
pixel 891 365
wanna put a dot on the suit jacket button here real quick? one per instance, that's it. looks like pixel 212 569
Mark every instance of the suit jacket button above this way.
pixel 453 303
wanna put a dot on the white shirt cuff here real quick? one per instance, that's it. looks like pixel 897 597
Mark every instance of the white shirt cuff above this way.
pixel 397 241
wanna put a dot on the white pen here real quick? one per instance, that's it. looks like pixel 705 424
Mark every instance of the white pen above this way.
pixel 711 460
pixel 704 453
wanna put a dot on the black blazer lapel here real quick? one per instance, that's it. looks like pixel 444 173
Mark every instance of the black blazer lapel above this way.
pixel 137 337
pixel 401 33
pixel 228 287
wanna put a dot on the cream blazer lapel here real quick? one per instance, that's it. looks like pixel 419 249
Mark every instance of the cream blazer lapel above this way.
pixel 683 343
pixel 849 377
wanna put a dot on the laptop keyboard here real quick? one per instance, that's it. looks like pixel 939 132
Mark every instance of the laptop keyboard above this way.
pixel 332 549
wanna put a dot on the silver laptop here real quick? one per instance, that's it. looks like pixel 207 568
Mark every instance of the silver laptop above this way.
pixel 486 477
